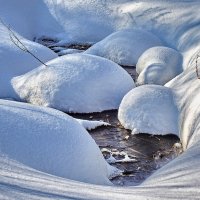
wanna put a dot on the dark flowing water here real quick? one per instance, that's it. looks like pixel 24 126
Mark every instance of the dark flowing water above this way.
pixel 138 156
pixel 143 153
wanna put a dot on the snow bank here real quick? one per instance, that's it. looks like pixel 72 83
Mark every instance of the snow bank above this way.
pixel 186 87
pixel 51 142
pixel 75 83
pixel 158 65
pixel 149 109
pixel 124 47
pixel 15 62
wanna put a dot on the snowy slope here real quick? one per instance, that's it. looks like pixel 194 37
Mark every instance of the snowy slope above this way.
pixel 177 24
pixel 76 83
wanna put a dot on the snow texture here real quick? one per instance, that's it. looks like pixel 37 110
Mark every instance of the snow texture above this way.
pixel 174 22
pixel 124 47
pixel 158 65
pixel 50 141
pixel 75 83
pixel 69 51
pixel 149 109
pixel 89 125
pixel 15 62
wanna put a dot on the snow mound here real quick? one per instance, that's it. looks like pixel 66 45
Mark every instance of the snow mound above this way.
pixel 89 125
pixel 125 47
pixel 50 141
pixel 149 109
pixel 75 83
pixel 158 65
pixel 15 62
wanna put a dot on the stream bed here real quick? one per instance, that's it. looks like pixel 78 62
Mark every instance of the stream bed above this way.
pixel 138 156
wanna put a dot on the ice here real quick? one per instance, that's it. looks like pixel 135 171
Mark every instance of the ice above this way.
pixel 158 65
pixel 89 125
pixel 124 47
pixel 75 83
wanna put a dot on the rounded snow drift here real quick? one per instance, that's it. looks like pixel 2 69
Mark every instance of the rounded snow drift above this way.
pixel 50 141
pixel 75 83
pixel 158 65
pixel 125 47
pixel 149 109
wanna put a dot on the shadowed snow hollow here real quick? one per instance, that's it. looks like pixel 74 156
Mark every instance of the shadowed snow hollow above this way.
pixel 50 141
pixel 158 65
pixel 125 47
pixel 149 109
pixel 75 83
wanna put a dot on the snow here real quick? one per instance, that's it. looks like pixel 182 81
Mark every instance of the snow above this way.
pixel 186 87
pixel 75 83
pixel 89 125
pixel 50 141
pixel 124 47
pixel 15 62
pixel 69 51
pixel 149 109
pixel 158 65
pixel 176 23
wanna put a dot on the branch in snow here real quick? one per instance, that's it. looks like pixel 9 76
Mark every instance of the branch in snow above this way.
pixel 17 42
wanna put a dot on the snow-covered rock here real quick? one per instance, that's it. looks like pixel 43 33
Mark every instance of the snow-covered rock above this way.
pixel 158 65
pixel 75 83
pixel 15 62
pixel 125 47
pixel 149 109
pixel 50 141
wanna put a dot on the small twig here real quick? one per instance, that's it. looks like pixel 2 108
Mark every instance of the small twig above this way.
pixel 196 66
pixel 16 41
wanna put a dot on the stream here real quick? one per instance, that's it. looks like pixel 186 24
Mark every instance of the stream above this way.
pixel 138 156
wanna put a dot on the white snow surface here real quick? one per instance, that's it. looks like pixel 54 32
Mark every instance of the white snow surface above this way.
pixel 75 83
pixel 15 62
pixel 69 51
pixel 158 65
pixel 89 125
pixel 177 24
pixel 149 109
pixel 125 47
pixel 51 142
